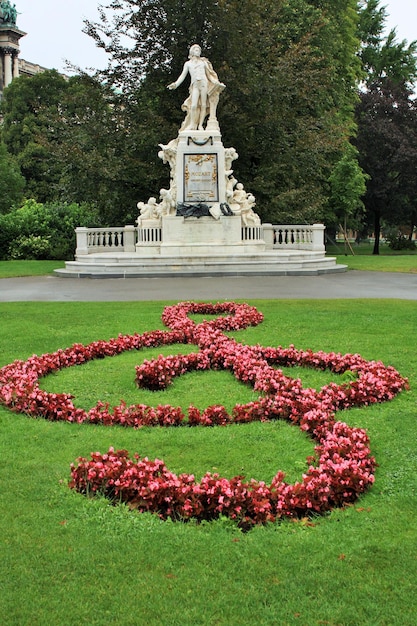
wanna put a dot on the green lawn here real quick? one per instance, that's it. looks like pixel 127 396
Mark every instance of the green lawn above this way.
pixel 67 560
pixel 403 263
pixel 387 261
pixel 12 269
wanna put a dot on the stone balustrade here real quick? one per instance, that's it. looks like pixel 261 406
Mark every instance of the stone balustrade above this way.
pixel 294 236
pixel 129 238
pixel 252 233
pixel 111 239
pixel 149 235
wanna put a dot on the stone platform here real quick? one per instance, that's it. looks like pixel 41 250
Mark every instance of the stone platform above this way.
pixel 177 246
pixel 128 265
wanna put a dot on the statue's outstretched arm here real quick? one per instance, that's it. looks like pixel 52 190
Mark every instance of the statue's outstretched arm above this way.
pixel 181 78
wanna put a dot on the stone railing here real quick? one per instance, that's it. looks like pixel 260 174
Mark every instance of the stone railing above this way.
pixel 112 239
pixel 294 236
pixel 150 234
pixel 252 233
pixel 130 238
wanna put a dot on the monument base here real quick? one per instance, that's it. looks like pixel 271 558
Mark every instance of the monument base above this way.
pixel 269 264
pixel 177 246
pixel 200 237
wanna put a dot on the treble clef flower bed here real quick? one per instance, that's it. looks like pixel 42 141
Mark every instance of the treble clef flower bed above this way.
pixel 341 468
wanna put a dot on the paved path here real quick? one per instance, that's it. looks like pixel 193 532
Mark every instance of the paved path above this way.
pixel 352 284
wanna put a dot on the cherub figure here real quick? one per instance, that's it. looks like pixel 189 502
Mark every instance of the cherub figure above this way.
pixel 148 211
pixel 168 154
pixel 167 204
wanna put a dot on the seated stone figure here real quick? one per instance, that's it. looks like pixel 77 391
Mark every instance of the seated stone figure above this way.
pixel 242 203
pixel 148 211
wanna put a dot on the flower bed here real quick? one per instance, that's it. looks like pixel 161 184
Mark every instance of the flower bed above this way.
pixel 340 470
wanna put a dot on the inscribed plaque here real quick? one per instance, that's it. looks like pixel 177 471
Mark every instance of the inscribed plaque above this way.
pixel 201 178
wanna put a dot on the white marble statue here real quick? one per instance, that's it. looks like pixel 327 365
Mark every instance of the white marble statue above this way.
pixel 249 217
pixel 230 155
pixel 242 203
pixel 148 210
pixel 230 183
pixel 167 204
pixel 168 154
pixel 205 89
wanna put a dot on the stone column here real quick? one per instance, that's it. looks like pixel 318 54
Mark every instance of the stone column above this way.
pixel 318 237
pixel 129 239
pixel 82 241
pixel 268 235
pixel 16 66
pixel 8 69
pixel 1 70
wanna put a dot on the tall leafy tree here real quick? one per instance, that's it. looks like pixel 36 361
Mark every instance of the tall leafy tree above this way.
pixel 382 55
pixel 28 106
pixel 387 124
pixel 347 187
pixel 91 148
pixel 387 144
pixel 70 139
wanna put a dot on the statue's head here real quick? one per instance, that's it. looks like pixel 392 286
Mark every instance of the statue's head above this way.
pixel 195 50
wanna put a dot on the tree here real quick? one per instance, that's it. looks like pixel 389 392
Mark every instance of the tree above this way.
pixel 386 120
pixel 383 56
pixel 11 181
pixel 69 138
pixel 387 144
pixel 28 105
pixel 90 148
pixel 347 187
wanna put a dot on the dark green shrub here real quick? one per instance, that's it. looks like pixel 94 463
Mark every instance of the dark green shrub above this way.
pixel 30 247
pixel 44 231
pixel 401 242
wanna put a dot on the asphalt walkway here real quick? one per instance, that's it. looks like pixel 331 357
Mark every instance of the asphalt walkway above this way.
pixel 351 284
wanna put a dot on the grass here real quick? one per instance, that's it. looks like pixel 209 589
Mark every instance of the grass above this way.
pixel 365 248
pixel 14 269
pixel 405 263
pixel 387 261
pixel 67 560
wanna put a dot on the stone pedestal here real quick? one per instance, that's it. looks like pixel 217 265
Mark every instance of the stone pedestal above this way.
pixel 200 168
pixel 204 237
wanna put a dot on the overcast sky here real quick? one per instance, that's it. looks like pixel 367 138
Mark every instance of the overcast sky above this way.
pixel 54 30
